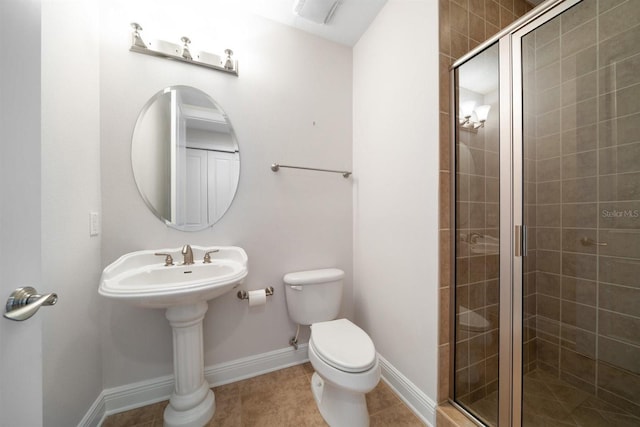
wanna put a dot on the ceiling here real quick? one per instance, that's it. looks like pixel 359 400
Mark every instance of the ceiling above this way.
pixel 480 74
pixel 350 20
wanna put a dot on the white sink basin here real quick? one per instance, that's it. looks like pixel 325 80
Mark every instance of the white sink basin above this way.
pixel 485 245
pixel 141 278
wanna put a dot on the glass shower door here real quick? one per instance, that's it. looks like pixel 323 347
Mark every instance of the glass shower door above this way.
pixel 476 239
pixel 581 206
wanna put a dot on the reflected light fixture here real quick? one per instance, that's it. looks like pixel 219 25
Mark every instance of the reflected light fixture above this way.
pixel 318 11
pixel 467 110
pixel 185 48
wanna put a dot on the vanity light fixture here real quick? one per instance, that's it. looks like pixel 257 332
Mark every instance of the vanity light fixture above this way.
pixel 137 38
pixel 185 48
pixel 467 110
pixel 228 62
pixel 182 52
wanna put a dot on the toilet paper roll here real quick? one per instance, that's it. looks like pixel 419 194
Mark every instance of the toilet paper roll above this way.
pixel 258 297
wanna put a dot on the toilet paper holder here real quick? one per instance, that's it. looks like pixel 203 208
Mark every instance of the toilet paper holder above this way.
pixel 245 294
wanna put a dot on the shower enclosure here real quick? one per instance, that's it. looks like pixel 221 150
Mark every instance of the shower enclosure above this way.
pixel 546 302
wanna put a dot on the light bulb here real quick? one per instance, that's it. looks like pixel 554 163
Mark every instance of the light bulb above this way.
pixel 466 108
pixel 482 112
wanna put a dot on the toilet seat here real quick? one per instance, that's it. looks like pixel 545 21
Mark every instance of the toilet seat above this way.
pixel 472 321
pixel 343 345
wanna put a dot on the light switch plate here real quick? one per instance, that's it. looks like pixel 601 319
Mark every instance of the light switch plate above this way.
pixel 94 223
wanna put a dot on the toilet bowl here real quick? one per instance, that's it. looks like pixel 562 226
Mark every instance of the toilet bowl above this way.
pixel 472 321
pixel 473 324
pixel 346 367
pixel 343 356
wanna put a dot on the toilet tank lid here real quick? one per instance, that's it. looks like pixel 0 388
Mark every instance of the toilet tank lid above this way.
pixel 313 276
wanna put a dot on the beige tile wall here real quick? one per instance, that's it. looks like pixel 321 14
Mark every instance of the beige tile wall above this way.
pixel 583 168
pixel 531 173
pixel 587 180
pixel 464 24
pixel 477 276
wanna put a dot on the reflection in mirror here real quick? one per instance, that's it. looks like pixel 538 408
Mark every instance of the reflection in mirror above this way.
pixel 185 158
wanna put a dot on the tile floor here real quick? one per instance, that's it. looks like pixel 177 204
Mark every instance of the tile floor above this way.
pixel 281 398
pixel 551 402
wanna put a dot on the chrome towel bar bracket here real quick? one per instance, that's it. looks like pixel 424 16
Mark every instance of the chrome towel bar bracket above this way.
pixel 276 167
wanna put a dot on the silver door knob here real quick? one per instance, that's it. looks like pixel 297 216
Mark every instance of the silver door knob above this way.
pixel 24 302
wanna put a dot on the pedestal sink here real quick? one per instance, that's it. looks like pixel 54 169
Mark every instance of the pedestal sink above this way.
pixel 143 279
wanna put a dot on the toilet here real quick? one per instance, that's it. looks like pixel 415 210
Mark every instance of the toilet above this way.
pixel 473 324
pixel 472 321
pixel 343 356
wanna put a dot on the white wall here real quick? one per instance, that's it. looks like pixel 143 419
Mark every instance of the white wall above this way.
pixel 291 104
pixel 70 190
pixel 395 152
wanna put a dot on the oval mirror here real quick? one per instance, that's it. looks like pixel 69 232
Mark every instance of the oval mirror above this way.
pixel 185 158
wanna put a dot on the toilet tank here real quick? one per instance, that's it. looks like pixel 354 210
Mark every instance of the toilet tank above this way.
pixel 313 296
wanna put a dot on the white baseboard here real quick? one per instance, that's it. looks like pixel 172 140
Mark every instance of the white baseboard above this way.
pixel 412 396
pixel 96 413
pixel 252 366
pixel 135 395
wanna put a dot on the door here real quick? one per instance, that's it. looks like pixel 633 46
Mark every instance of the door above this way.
pixel 223 171
pixel 569 214
pixel 196 188
pixel 477 239
pixel 20 342
pixel 580 75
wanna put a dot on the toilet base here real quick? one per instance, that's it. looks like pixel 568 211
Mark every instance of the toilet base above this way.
pixel 339 407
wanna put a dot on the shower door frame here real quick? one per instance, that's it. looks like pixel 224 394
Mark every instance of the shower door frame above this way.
pixel 512 231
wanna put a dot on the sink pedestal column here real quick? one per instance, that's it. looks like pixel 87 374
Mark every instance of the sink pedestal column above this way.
pixel 192 403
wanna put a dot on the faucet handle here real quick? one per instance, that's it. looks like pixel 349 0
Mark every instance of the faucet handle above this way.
pixel 207 256
pixel 168 259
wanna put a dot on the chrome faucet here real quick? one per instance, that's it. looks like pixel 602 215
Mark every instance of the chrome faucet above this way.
pixel 188 255
pixel 473 238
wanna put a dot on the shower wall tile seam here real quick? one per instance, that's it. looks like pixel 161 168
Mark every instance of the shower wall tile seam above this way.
pixel 561 324
pixel 618 313
pixel 630 29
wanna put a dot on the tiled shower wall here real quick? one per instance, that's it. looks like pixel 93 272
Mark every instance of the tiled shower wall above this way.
pixel 585 87
pixel 530 274
pixel 464 24
pixel 477 220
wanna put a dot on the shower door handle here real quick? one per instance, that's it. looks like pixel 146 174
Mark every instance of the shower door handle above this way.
pixel 518 241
